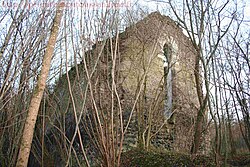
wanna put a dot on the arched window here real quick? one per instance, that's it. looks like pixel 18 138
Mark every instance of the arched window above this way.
pixel 168 51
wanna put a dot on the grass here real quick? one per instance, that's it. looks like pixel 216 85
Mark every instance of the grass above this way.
pixel 142 158
pixel 155 158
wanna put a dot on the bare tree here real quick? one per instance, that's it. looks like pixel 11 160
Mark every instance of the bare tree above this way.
pixel 196 19
pixel 28 132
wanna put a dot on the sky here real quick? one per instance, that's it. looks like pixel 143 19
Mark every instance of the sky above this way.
pixel 152 5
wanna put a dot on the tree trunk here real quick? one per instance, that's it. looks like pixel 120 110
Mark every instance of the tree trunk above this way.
pixel 201 112
pixel 197 133
pixel 29 126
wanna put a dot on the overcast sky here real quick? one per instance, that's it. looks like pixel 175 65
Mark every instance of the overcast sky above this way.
pixel 152 5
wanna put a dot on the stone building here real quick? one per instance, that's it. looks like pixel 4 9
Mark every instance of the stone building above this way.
pixel 157 49
pixel 154 80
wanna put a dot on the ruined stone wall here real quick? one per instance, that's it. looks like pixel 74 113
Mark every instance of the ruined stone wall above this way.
pixel 140 71
pixel 145 44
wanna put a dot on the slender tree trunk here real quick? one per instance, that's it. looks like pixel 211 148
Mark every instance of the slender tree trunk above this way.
pixel 29 127
pixel 230 133
pixel 201 112
pixel 198 132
